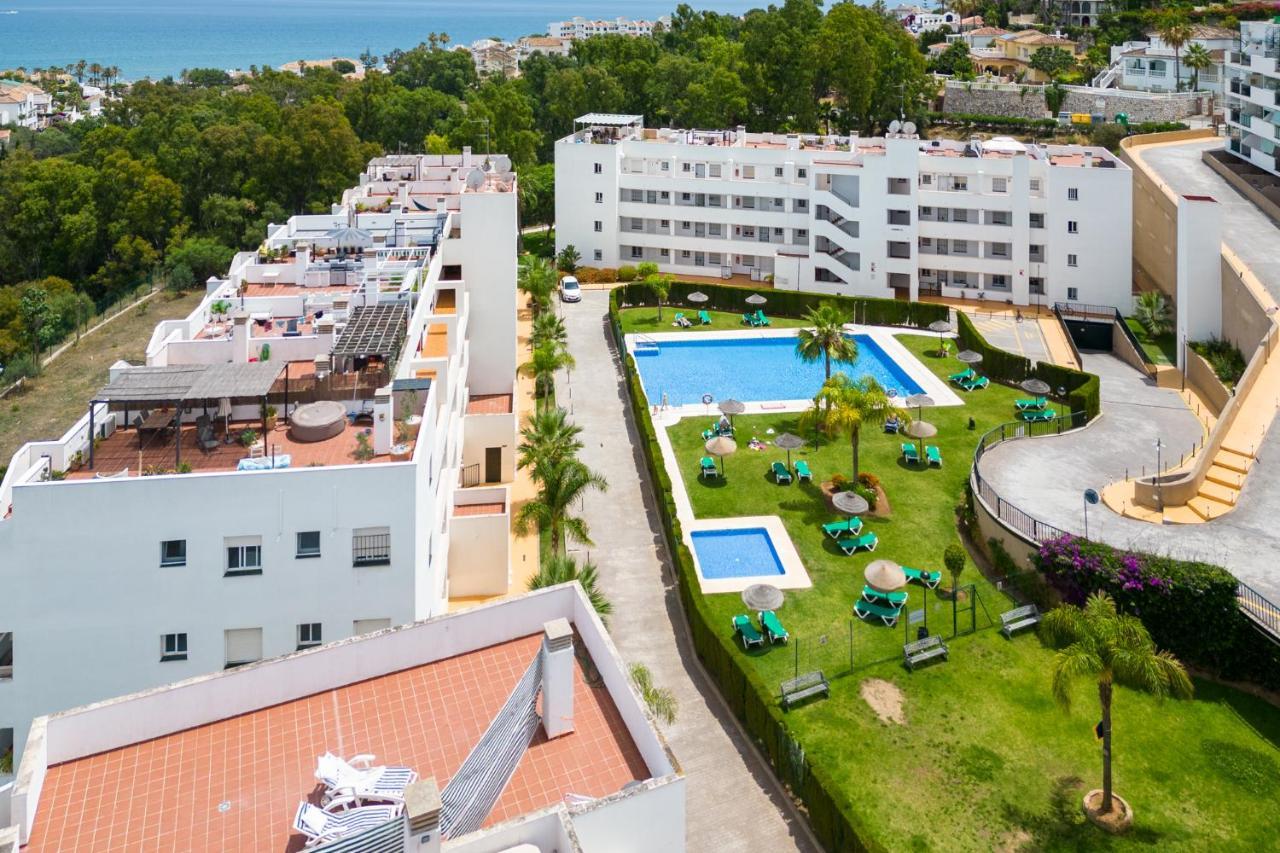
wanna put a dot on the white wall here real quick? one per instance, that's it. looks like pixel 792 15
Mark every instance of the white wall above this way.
pixel 1199 281
pixel 487 253
pixel 480 545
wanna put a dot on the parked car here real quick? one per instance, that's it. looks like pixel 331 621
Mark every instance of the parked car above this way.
pixel 570 290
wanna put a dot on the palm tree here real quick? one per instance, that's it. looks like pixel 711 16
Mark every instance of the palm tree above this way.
pixel 548 437
pixel 548 328
pixel 1152 312
pixel 845 405
pixel 1197 59
pixel 1097 641
pixel 1174 31
pixel 546 359
pixel 661 701
pixel 561 568
pixel 536 278
pixel 560 485
pixel 826 340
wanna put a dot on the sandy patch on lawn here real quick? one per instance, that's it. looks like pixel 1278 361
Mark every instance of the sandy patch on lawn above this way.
pixel 885 699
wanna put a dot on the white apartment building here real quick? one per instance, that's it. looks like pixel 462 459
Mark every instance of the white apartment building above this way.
pixel 319 450
pixel 24 105
pixel 1253 96
pixel 581 28
pixel 572 763
pixel 889 217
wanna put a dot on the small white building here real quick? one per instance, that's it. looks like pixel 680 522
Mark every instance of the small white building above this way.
pixel 890 217
pixel 529 45
pixel 322 448
pixel 581 28
pixel 1253 96
pixel 523 708
pixel 1151 66
pixel 24 105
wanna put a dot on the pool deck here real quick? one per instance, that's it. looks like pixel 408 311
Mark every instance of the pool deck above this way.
pixel 793 574
pixel 886 339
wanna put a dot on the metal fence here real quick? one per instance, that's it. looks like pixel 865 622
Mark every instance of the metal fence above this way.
pixel 1263 612
pixel 1009 514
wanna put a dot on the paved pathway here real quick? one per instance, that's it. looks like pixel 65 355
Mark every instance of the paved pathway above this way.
pixel 733 801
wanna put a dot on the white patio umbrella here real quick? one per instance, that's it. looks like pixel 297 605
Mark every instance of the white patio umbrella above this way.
pixel 885 576
pixel 224 412
pixel 720 447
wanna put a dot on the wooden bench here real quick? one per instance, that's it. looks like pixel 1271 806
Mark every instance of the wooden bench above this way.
pixel 922 650
pixel 1017 618
pixel 804 686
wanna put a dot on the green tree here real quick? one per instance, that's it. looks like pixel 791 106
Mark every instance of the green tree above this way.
pixel 954 560
pixel 826 339
pixel 955 60
pixel 35 315
pixel 562 568
pixel 1100 643
pixel 1053 62
pixel 660 286
pixel 782 64
pixel 844 405
pixel 1153 313
pixel 1175 31
pixel 567 260
pixel 542 365
pixel 561 486
pixel 424 67
pixel 1054 97
pixel 1197 59
pixel 344 66
pixel 660 701
pixel 536 278
pixel 548 437
pixel 549 329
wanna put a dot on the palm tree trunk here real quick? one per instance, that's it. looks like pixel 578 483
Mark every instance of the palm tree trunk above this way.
pixel 1104 697
pixel 826 353
pixel 853 440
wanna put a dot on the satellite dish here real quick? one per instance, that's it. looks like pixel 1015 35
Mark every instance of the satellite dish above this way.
pixel 488 164
pixel 475 179
pixel 502 163
pixel 895 126
pixel 909 128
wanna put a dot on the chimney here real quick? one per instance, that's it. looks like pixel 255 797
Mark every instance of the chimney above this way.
pixel 240 337
pixel 422 816
pixel 557 678
pixel 466 155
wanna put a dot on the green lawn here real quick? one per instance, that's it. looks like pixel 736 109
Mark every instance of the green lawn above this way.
pixel 985 759
pixel 646 320
pixel 1161 350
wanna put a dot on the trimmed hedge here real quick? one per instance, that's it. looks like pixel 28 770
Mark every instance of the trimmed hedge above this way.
pixel 748 697
pixel 790 303
pixel 1083 390
pixel 1190 608
pixel 995 122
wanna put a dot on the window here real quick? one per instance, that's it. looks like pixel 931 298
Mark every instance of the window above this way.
pixel 960 247
pixel 308 635
pixel 1073 227
pixel 714 170
pixel 6 655
pixel 999 217
pixel 308 544
pixel 777 171
pixel 1073 194
pixel 598 255
pixel 664 195
pixel 802 233
pixel 715 229
pixel 599 168
pixel 600 198
pixel 684 253
pixel 173 647
pixel 666 167
pixel 926 179
pixel 664 253
pixel 1037 220
pixel 368 626
pixel 244 556
pixel 173 552
pixel 1073 294
pixel 371 546
pixel 243 645
pixel 637 252
pixel 664 223
pixel 1072 261
pixel 1036 286
pixel 999 185
pixel 686 197
pixel 598 226
pixel 686 167
pixel 802 173
pixel 1035 185
pixel 999 280
pixel 802 204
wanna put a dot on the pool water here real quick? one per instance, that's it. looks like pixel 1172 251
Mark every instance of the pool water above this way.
pixel 754 369
pixel 744 552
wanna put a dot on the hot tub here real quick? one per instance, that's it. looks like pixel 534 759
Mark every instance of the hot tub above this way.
pixel 317 421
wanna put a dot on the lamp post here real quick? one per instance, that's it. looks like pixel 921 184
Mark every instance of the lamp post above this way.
pixel 1159 481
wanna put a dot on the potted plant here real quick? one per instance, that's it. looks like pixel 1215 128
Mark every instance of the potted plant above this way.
pixel 248 438
pixel 270 416
pixel 364 448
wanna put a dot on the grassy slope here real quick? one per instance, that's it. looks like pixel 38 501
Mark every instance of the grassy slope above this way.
pixel 1161 350
pixel 50 404
pixel 986 759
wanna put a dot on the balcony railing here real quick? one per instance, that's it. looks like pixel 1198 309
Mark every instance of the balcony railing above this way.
pixel 371 550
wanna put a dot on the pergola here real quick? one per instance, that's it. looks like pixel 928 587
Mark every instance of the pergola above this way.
pixel 374 330
pixel 185 385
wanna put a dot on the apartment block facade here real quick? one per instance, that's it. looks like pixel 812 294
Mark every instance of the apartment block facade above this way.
pixel 1253 96
pixel 893 216
pixel 197 517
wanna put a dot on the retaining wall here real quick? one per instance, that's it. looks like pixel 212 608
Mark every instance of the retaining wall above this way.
pixel 1027 101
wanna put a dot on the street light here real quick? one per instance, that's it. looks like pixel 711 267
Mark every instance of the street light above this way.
pixel 1159 483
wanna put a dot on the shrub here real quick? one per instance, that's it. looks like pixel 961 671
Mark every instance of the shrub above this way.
pixel 868 495
pixel 839 482
pixel 626 273
pixel 1226 360
pixel 870 481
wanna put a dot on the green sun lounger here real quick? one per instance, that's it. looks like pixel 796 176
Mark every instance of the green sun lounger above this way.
pixel 761 319
pixel 773 627
pixel 802 470
pixel 963 376
pixel 749 319
pixel 1033 404
pixel 704 318
pixel 843 529
pixel 875 596
pixel 743 628
pixel 929 579
pixel 709 468
pixel 708 434
pixel 867 610
pixel 780 473
pixel 1038 417
pixel 854 544
pixel 910 454
pixel 975 384
pixel 933 454
pixel 679 319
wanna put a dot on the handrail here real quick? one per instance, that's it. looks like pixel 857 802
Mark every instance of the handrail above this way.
pixel 1066 332
pixel 1261 611
pixel 1010 515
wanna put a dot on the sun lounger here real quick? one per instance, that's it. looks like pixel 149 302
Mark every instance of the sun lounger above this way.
pixel 1038 417
pixel 359 778
pixel 891 599
pixel 704 318
pixel 963 376
pixel 708 434
pixel 773 627
pixel 910 454
pixel 761 319
pixel 321 825
pixel 780 473
pixel 1035 403
pixel 802 470
pixel 852 545
pixel 843 529
pixel 708 467
pixel 975 384
pixel 933 454
pixel 867 610
pixel 929 579
pixel 679 319
pixel 744 629
pixel 749 319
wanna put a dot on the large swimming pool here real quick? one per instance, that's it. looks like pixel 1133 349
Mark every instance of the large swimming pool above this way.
pixel 753 369
pixel 743 552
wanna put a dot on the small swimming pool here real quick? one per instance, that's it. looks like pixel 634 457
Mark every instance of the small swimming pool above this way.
pixel 754 369
pixel 743 552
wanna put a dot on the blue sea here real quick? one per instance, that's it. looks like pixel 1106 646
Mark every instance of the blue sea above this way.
pixel 154 38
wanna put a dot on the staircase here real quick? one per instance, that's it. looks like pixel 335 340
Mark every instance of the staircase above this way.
pixel 1223 482
pixel 1107 77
